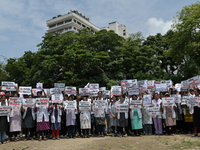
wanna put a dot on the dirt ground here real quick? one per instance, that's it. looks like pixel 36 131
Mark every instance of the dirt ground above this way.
pixel 152 142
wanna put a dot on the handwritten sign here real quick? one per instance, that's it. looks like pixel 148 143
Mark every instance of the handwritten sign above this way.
pixel 70 104
pixel 85 106
pixel 57 98
pixel 70 90
pixel 135 104
pixel 25 90
pixel 147 100
pixel 4 110
pixel 29 102
pixel 153 111
pixel 122 108
pixel 42 102
pixel 168 101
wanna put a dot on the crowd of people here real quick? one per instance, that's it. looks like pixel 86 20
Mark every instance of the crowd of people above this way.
pixel 56 121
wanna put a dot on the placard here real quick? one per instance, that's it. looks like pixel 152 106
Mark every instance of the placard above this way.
pixel 128 83
pixel 34 91
pixel 147 100
pixel 57 98
pixel 177 98
pixel 29 102
pixel 94 85
pixel 55 91
pixel 106 94
pixel 85 106
pixel 153 111
pixel 61 86
pixel 15 99
pixel 4 110
pixel 8 86
pixel 150 84
pixel 122 108
pixel 94 92
pixel 184 100
pixel 193 101
pixel 70 90
pixel 102 88
pixel 116 90
pixel 135 104
pixel 25 90
pixel 70 104
pixel 194 81
pixel 168 101
pixel 143 88
pixel 184 85
pixel 161 87
pixel 39 86
pixel 84 91
pixel 167 82
pixel 42 102
pixel 100 104
pixel 133 91
pixel 47 91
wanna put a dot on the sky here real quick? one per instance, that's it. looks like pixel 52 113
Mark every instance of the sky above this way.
pixel 23 22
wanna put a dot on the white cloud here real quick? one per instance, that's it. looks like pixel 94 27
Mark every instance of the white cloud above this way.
pixel 3 38
pixel 155 26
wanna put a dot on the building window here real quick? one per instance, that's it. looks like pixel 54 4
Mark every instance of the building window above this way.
pixel 124 30
pixel 70 28
pixel 83 25
pixel 67 21
pixel 51 26
pixel 60 23
pixel 74 20
pixel 124 34
pixel 74 28
pixel 79 23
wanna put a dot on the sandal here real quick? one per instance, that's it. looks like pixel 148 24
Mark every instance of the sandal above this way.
pixel 125 135
pixel 45 138
pixel 58 138
pixel 99 135
pixel 54 138
pixel 25 139
pixel 32 139
pixel 194 135
pixel 4 142
pixel 102 135
pixel 40 138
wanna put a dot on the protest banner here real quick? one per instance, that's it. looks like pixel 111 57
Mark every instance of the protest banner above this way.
pixel 142 83
pixel 154 111
pixel 85 106
pixel 143 89
pixel 122 108
pixel 100 104
pixel 15 100
pixel 70 104
pixel 55 91
pixel 185 99
pixel 70 90
pixel 29 102
pixel 194 81
pixel 177 98
pixel 193 101
pixel 84 91
pixel 106 94
pixel 94 85
pixel 161 87
pixel 4 110
pixel 133 91
pixel 128 83
pixel 147 100
pixel 39 86
pixel 25 90
pixel 40 102
pixel 168 101
pixel 8 86
pixel 60 86
pixel 116 90
pixel 135 104
pixel 167 82
pixel 94 92
pixel 57 98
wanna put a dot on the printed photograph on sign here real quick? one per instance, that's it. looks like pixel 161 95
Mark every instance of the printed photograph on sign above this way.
pixel 34 91
pixel 147 100
pixel 39 86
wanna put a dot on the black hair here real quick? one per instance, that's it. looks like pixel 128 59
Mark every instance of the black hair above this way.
pixel 71 97
pixel 100 92
pixel 39 92
pixel 123 96
pixel 7 92
pixel 16 93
